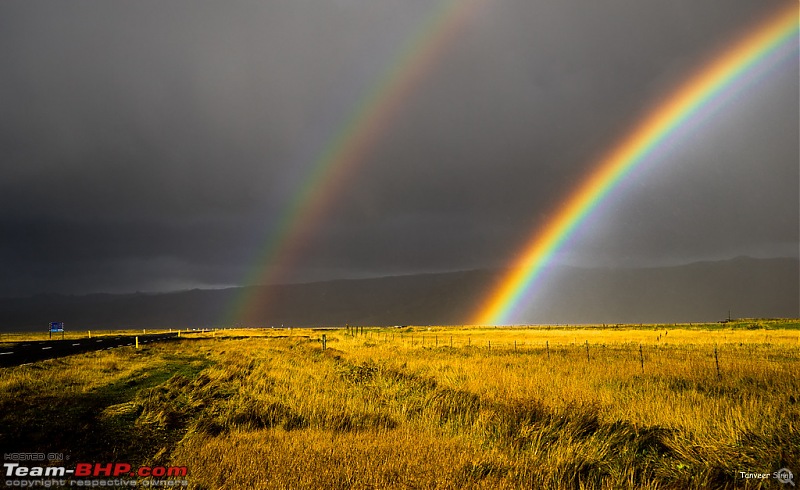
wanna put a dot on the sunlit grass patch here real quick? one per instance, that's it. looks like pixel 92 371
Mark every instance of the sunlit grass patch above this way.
pixel 563 408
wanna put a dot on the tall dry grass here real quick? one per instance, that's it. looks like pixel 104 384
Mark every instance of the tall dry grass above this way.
pixel 398 408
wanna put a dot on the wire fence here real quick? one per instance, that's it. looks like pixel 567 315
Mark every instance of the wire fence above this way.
pixel 726 350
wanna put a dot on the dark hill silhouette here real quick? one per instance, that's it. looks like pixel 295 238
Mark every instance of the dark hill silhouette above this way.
pixel 702 291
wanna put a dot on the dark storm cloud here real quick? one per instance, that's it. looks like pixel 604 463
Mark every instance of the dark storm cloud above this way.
pixel 150 146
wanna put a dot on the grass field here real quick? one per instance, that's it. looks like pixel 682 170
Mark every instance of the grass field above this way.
pixel 656 406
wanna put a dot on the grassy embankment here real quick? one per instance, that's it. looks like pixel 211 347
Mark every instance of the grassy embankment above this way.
pixel 402 408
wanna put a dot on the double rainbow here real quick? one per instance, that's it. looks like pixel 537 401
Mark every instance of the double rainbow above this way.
pixel 700 91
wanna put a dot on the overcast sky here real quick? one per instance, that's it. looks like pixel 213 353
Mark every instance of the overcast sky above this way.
pixel 152 146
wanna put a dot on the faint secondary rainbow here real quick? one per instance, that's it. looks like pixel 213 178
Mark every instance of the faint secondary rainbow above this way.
pixel 695 94
pixel 347 148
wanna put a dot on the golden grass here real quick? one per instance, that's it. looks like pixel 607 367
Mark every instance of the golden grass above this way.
pixel 400 408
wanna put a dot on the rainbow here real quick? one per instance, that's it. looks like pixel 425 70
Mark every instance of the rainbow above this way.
pixel 347 149
pixel 699 92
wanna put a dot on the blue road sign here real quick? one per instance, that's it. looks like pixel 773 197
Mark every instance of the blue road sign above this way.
pixel 56 326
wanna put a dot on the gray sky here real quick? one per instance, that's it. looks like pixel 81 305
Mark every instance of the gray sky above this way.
pixel 152 146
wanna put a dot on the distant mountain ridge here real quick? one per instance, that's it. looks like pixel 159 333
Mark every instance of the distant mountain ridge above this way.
pixel 703 291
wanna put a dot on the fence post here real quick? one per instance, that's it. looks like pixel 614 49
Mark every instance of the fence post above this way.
pixel 451 341
pixel 324 341
pixel 716 360
pixel 641 357
pixel 490 345
pixel 547 346
pixel 587 351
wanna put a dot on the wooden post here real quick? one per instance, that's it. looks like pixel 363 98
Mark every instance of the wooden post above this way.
pixel 515 346
pixel 547 346
pixel 451 341
pixel 324 341
pixel 716 360
pixel 641 357
pixel 437 341
pixel 490 345
pixel 587 351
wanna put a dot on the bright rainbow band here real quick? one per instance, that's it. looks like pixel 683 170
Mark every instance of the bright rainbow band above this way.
pixel 694 95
